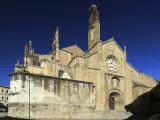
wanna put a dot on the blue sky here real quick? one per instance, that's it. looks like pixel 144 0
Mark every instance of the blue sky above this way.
pixel 134 23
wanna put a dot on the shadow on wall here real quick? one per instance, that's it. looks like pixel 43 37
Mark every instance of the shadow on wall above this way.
pixel 146 106
pixel 3 108
pixel 11 118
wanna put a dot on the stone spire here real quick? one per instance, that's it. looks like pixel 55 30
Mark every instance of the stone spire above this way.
pixel 125 53
pixel 30 47
pixel 26 49
pixel 55 43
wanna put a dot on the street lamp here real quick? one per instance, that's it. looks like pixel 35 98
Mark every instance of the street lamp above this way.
pixel 29 96
pixel 28 86
pixel 28 92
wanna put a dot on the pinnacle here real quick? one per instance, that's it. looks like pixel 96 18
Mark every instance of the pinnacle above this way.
pixel 93 5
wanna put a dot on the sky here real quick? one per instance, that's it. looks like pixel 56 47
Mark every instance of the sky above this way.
pixel 134 23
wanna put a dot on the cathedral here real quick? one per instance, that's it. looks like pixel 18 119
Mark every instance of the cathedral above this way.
pixel 71 83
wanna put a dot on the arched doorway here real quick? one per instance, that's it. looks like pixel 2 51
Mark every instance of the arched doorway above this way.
pixel 112 103
pixel 115 101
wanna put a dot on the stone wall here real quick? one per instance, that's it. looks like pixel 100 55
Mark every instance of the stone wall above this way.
pixel 49 97
pixel 50 110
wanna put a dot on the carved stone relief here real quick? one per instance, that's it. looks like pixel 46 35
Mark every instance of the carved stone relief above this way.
pixel 115 82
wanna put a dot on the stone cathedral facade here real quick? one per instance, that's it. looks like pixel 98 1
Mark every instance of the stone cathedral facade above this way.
pixel 68 82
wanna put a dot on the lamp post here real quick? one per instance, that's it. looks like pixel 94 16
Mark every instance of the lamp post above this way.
pixel 28 87
pixel 28 94
pixel 29 97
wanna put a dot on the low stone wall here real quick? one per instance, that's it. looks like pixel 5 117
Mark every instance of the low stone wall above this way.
pixel 50 111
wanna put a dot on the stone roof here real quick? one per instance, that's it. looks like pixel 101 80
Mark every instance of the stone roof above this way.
pixel 50 77
pixel 112 39
pixel 74 49
pixel 138 84
pixel 4 86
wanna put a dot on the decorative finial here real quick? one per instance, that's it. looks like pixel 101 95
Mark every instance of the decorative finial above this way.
pixel 57 33
pixel 113 37
pixel 17 62
pixel 30 47
pixel 125 48
pixel 55 43
pixel 26 49
pixel 93 5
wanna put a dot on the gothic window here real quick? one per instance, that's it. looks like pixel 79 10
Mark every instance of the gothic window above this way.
pixel 16 77
pixel 92 34
pixel 2 90
pixel 112 63
pixel 2 97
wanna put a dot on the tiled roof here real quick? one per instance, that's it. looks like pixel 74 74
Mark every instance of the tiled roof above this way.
pixel 74 49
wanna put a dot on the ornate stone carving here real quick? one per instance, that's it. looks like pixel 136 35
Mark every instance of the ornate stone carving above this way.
pixel 115 82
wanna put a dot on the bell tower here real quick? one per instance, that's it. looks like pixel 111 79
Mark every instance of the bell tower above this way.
pixel 55 44
pixel 93 26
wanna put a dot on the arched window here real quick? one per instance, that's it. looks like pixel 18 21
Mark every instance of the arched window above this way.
pixel 60 73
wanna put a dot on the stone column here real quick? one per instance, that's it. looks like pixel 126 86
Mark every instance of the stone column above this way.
pixel 78 90
pixel 55 87
pixel 65 90
pixel 98 93
pixel 90 92
pixel 62 95
pixel 69 90
pixel 52 85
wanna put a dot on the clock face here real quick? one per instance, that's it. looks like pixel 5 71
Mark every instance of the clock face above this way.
pixel 92 34
pixel 111 64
